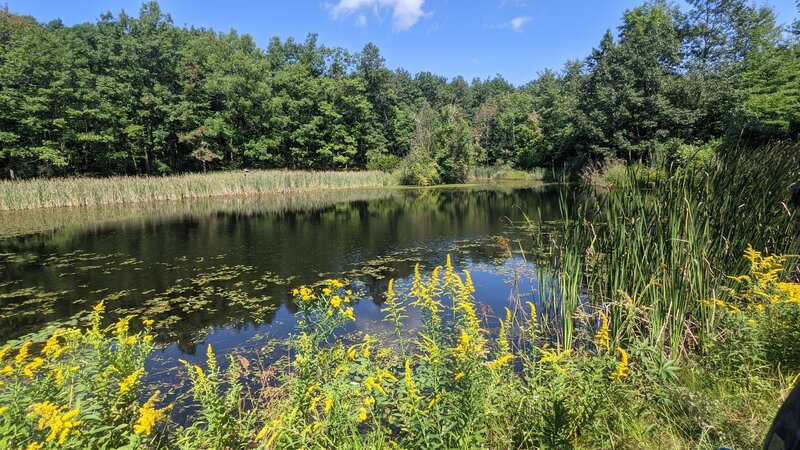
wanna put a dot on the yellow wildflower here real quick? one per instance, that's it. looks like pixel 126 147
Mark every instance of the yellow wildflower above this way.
pixel 622 366
pixel 200 376
pixel 148 322
pixel 390 291
pixel 122 326
pixel 7 370
pixel 59 352
pixel 369 401
pixel 385 374
pixel 3 410
pixel 328 404
pixel 552 357
pixel 267 427
pixel 58 375
pixel 348 312
pixel 311 427
pixel 500 362
pixel 22 355
pixel 51 346
pixel 459 376
pixel 61 425
pixel 326 291
pixel 127 383
pixel 334 283
pixel 370 383
pixel 33 365
pixel 100 308
pixel 534 318
pixel 34 446
pixel 149 416
pixel 362 414
pixel 313 404
pixel 601 339
pixel 464 340
pixel 336 301
pixel 470 288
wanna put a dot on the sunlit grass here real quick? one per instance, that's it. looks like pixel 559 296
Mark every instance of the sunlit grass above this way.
pixel 49 193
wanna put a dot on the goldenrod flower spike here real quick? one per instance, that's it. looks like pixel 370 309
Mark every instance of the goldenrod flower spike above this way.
pixel 602 339
pixel 23 353
pixel 149 415
pixel 622 366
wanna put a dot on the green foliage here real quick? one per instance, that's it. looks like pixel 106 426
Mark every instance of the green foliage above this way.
pixel 419 170
pixel 138 95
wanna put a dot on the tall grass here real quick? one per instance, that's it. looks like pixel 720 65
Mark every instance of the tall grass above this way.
pixel 49 193
pixel 661 251
pixel 21 222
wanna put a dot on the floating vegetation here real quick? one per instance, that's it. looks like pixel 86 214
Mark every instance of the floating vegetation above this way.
pixel 18 258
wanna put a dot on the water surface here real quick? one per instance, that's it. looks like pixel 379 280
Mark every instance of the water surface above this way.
pixel 221 271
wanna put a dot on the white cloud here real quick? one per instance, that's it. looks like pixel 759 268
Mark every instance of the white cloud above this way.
pixel 361 20
pixel 518 23
pixel 405 13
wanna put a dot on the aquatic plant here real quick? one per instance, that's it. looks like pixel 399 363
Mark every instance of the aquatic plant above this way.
pixel 649 256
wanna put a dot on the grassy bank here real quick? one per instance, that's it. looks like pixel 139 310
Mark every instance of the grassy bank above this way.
pixel 49 193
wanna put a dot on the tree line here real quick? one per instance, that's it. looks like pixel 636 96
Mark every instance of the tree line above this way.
pixel 139 95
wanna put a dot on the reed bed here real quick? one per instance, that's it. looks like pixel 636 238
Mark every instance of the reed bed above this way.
pixel 70 192
pixel 18 223
pixel 660 252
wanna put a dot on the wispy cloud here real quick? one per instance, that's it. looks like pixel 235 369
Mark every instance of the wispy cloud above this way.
pixel 405 13
pixel 518 23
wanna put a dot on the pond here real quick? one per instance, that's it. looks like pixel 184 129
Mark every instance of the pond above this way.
pixel 221 271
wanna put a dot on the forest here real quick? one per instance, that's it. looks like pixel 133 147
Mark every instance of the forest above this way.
pixel 138 95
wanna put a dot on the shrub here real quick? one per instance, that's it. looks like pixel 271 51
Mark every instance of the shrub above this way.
pixel 383 162
pixel 419 170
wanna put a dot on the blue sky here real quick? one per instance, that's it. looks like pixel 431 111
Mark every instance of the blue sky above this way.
pixel 513 38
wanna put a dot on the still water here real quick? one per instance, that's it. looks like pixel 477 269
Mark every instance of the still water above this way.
pixel 221 271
